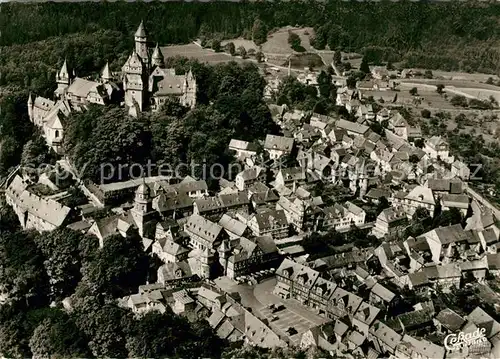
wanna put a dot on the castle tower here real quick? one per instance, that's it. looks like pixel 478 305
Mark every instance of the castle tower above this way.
pixel 143 207
pixel 189 90
pixel 63 80
pixel 106 74
pixel 30 107
pixel 141 43
pixel 135 81
pixel 157 59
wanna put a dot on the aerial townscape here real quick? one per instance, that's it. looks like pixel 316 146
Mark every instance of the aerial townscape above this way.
pixel 250 180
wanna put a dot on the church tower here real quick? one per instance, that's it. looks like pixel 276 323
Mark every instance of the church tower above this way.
pixel 63 80
pixel 143 207
pixel 106 74
pixel 157 59
pixel 141 44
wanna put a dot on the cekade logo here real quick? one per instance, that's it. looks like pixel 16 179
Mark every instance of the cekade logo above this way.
pixel 454 342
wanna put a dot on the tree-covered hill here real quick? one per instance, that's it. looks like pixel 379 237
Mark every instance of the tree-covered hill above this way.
pixel 448 35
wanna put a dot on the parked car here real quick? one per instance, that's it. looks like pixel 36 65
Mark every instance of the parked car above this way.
pixel 274 318
pixel 279 307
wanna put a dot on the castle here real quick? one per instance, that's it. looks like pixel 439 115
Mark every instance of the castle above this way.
pixel 146 81
pixel 146 86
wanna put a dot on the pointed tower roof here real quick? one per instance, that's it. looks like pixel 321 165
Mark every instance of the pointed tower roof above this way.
pixel 64 70
pixel 106 74
pixel 30 100
pixel 157 54
pixel 141 31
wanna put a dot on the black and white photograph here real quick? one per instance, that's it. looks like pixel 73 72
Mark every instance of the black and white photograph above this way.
pixel 252 179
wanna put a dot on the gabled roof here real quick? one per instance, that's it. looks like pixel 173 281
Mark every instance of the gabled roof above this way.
pixel 421 194
pixel 449 234
pixel 418 278
pixel 383 293
pixel 351 126
pixel 391 215
pixel 203 227
pixel 288 265
pixel 483 320
pixel 279 143
pixel 81 87
pixel 445 185
pixel 268 220
pixel 232 225
pixel 367 313
pixel 266 244
pixel 435 141
pixel 386 335
pixel 424 348
pixel 450 320
pixel 46 209
pixel 250 173
pixel 169 84
pixel 234 199
pixel 455 201
pixel 241 145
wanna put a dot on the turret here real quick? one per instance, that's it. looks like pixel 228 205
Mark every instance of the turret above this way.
pixel 157 58
pixel 143 207
pixel 106 74
pixel 141 43
pixel 63 75
pixel 189 90
pixel 63 80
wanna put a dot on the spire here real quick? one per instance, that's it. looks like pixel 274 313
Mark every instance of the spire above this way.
pixel 106 74
pixel 157 57
pixel 64 70
pixel 157 53
pixel 30 100
pixel 141 31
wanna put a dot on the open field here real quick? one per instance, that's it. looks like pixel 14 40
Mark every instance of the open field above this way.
pixel 247 44
pixel 455 83
pixel 453 75
pixel 277 42
pixel 430 98
pixel 196 52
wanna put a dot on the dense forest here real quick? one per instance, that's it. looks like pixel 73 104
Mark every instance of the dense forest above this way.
pixel 446 35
